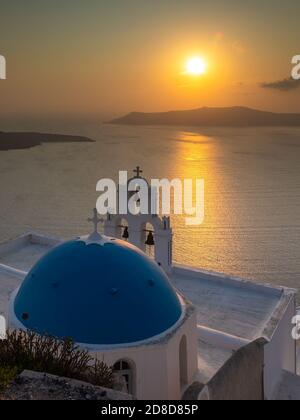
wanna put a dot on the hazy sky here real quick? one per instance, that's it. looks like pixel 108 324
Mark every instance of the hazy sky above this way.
pixel 115 56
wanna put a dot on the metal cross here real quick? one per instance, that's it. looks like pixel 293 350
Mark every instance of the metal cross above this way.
pixel 138 171
pixel 95 220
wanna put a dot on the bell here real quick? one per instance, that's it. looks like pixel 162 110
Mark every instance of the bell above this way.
pixel 150 240
pixel 125 233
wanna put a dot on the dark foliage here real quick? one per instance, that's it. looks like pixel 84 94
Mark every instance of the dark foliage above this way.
pixel 23 350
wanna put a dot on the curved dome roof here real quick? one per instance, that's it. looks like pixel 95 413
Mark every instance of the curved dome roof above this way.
pixel 97 293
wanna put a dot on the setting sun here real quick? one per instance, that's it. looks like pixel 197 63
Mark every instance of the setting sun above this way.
pixel 196 66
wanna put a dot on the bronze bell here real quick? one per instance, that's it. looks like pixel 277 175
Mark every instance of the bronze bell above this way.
pixel 150 239
pixel 125 233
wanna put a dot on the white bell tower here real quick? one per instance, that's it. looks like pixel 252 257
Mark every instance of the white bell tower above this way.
pixel 149 232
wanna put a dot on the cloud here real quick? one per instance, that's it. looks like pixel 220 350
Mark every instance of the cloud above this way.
pixel 284 85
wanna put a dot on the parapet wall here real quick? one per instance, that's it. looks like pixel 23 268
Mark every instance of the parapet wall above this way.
pixel 241 377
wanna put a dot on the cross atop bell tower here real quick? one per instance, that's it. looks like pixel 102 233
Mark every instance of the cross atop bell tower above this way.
pixel 138 171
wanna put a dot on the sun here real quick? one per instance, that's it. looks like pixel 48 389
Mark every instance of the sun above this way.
pixel 196 66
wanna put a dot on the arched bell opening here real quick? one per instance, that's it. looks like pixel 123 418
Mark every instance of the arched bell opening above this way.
pixel 148 239
pixel 123 230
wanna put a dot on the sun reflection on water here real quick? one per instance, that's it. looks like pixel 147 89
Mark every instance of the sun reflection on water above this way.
pixel 198 157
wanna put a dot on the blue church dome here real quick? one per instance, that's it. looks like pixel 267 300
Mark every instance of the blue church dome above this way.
pixel 102 293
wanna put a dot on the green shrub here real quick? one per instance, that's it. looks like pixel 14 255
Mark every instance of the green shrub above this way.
pixel 7 375
pixel 100 374
pixel 23 350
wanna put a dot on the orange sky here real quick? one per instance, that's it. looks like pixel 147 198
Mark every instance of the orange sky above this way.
pixel 108 58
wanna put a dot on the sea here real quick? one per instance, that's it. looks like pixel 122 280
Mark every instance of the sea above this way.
pixel 252 190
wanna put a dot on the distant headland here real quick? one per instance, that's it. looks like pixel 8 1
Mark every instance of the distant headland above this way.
pixel 27 140
pixel 212 117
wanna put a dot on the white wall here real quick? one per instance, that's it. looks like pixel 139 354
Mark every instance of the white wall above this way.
pixel 156 366
pixel 14 244
pixel 149 369
pixel 219 339
pixel 174 383
pixel 280 353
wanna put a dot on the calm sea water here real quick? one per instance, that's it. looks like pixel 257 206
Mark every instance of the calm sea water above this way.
pixel 252 178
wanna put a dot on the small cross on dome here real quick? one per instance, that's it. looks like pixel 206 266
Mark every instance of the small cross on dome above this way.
pixel 95 220
pixel 138 171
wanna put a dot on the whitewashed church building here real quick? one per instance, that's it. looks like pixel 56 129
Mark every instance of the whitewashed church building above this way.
pixel 169 331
